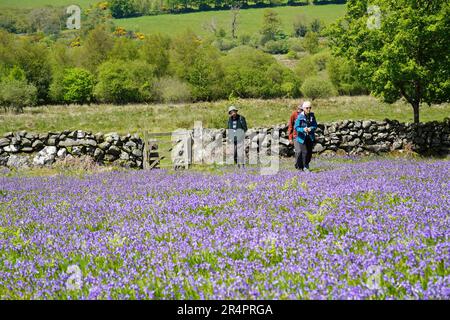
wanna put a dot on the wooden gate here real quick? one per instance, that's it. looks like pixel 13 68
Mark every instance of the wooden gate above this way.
pixel 162 150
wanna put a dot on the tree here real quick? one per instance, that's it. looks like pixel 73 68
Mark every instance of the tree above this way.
pixel 122 9
pixel 197 63
pixel 317 87
pixel 272 27
pixel 125 81
pixel 400 49
pixel 250 73
pixel 311 42
pixel 78 85
pixel 344 77
pixel 33 58
pixel 155 50
pixel 234 22
pixel 15 92
pixel 96 48
pixel 47 20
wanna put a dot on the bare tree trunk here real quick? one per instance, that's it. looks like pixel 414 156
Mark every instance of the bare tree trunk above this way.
pixel 416 107
pixel 234 23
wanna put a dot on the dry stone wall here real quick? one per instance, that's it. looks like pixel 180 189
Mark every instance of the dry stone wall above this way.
pixel 22 149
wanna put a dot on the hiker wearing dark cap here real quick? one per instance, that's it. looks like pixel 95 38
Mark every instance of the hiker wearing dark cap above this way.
pixel 237 126
pixel 292 133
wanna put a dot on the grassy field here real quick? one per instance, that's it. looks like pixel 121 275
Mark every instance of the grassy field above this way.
pixel 250 20
pixel 25 4
pixel 165 118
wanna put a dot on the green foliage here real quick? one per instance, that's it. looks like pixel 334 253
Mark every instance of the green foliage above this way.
pixel 125 81
pixel 48 20
pixel 96 48
pixel 321 59
pixel 34 60
pixel 316 26
pixel 172 90
pixel 311 42
pixel 78 85
pixel 272 27
pixel 403 52
pixel 199 65
pixel 317 87
pixel 225 44
pixel 14 21
pixel 124 49
pixel 122 8
pixel 291 55
pixel 295 44
pixel 305 68
pixel 344 77
pixel 300 26
pixel 93 17
pixel 15 92
pixel 276 47
pixel 252 73
pixel 155 50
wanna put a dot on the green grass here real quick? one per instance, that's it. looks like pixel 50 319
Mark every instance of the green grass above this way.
pixel 166 118
pixel 249 20
pixel 27 4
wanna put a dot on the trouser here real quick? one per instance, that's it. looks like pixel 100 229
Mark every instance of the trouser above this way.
pixel 305 154
pixel 297 152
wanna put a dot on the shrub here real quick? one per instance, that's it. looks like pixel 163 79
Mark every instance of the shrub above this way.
pixel 305 68
pixel 244 39
pixel 125 82
pixel 33 58
pixel 321 59
pixel 78 85
pixel 56 90
pixel 225 44
pixel 317 87
pixel 96 48
pixel 16 94
pixel 155 51
pixel 124 49
pixel 316 26
pixel 300 26
pixel 168 89
pixel 122 8
pixel 276 47
pixel 295 45
pixel 250 73
pixel 311 42
pixel 199 65
pixel 291 55
pixel 344 77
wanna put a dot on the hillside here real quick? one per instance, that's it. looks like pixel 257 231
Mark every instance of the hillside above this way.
pixel 249 20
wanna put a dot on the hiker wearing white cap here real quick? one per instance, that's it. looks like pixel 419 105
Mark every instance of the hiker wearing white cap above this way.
pixel 305 125
pixel 237 126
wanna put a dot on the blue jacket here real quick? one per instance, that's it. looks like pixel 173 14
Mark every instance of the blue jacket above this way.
pixel 301 124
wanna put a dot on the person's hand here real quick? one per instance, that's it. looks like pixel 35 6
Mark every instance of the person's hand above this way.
pixel 307 130
pixel 291 142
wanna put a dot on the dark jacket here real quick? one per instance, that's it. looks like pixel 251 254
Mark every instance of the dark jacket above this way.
pixel 241 124
pixel 301 123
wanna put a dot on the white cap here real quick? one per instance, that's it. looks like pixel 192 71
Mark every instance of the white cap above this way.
pixel 306 104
